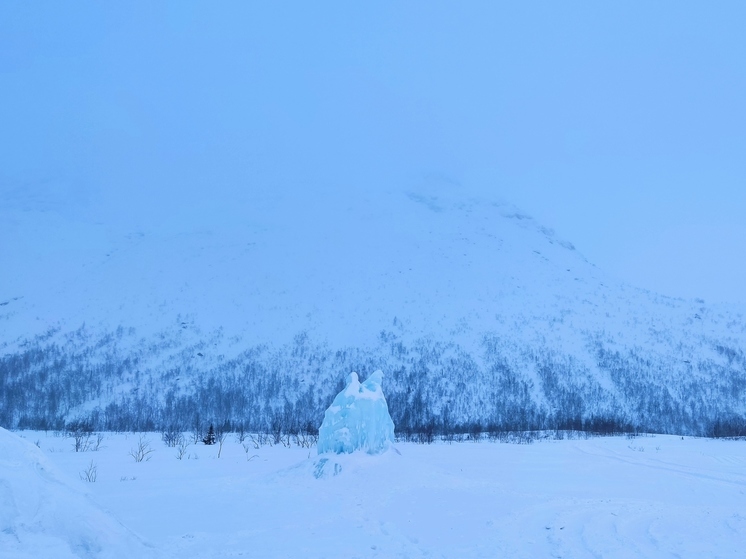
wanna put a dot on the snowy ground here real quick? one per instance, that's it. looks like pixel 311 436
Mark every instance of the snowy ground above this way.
pixel 655 496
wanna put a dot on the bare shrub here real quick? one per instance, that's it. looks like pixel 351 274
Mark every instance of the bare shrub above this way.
pixel 90 473
pixel 181 450
pixel 241 433
pixel 80 432
pixel 198 433
pixel 142 451
pixel 220 436
pixel 305 440
pixel 260 439
pixel 246 449
pixel 172 437
pixel 276 432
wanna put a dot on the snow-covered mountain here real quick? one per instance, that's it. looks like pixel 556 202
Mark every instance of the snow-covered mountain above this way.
pixel 252 308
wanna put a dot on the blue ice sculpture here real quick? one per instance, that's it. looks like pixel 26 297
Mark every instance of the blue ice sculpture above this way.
pixel 358 419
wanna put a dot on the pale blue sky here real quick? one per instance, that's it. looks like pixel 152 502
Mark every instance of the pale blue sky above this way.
pixel 622 127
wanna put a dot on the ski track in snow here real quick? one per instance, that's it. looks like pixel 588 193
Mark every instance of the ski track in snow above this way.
pixel 647 497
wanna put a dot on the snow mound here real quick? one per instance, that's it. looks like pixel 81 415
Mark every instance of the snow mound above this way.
pixel 43 515
pixel 358 419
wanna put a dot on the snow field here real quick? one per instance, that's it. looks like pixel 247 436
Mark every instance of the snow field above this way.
pixel 657 496
pixel 44 513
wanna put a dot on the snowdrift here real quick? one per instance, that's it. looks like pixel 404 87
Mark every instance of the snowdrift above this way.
pixel 42 515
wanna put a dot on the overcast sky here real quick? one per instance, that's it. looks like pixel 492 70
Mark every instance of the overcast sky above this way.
pixel 622 127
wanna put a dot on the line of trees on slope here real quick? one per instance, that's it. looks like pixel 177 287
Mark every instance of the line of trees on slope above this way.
pixel 432 387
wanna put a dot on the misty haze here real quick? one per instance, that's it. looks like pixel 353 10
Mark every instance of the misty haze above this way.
pixel 239 243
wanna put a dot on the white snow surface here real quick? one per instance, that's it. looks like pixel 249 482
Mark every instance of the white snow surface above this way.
pixel 358 419
pixel 44 514
pixel 647 497
pixel 340 265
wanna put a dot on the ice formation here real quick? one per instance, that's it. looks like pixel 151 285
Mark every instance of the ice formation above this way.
pixel 358 419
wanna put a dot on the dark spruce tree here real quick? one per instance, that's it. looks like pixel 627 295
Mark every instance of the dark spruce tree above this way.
pixel 210 437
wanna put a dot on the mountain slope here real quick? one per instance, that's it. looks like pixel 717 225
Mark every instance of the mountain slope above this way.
pixel 256 310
